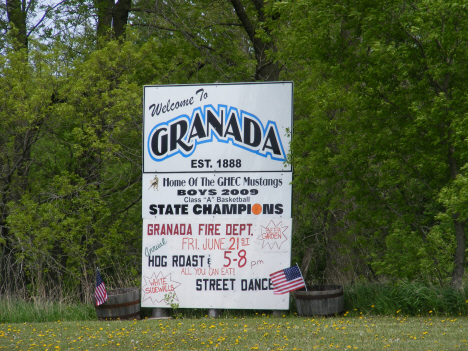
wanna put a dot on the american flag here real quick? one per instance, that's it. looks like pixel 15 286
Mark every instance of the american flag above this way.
pixel 287 280
pixel 100 293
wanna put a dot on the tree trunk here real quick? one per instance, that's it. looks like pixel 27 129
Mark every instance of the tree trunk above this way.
pixel 459 267
pixel 112 16
pixel 17 21
pixel 266 69
pixel 459 261
pixel 309 254
pixel 104 16
pixel 120 17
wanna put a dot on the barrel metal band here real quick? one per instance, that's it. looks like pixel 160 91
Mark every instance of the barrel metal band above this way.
pixel 317 297
pixel 119 305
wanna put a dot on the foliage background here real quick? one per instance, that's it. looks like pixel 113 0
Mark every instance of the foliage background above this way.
pixel 379 146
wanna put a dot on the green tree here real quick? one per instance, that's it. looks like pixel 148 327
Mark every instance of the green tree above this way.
pixel 25 114
pixel 223 40
pixel 387 131
pixel 81 203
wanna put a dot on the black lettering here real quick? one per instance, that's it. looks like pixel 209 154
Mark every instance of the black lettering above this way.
pixel 206 209
pixel 217 209
pixel 157 261
pixel 213 122
pixel 268 208
pixel 278 209
pixel 229 209
pixel 178 134
pixel 197 129
pixel 241 208
pixel 158 109
pixel 152 107
pixel 233 124
pixel 271 142
pixel 153 210
pixel 251 127
pixel 169 210
pixel 159 144
pixel 244 284
pixel 197 209
pixel 251 285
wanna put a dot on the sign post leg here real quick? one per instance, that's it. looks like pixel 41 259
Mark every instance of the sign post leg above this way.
pixel 160 313
pixel 279 313
pixel 215 313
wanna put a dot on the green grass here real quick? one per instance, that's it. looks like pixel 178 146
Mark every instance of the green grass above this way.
pixel 258 332
pixel 19 311
pixel 407 316
pixel 411 299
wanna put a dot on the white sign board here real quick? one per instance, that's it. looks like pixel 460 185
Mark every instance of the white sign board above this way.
pixel 214 263
pixel 217 127
pixel 233 195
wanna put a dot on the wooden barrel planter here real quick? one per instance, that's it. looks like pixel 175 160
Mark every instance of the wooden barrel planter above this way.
pixel 319 300
pixel 120 304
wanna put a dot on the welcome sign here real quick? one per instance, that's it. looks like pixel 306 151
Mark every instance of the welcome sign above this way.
pixel 216 194
pixel 217 127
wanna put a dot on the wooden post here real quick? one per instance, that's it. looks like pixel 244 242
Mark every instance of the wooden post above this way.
pixel 160 313
pixel 279 313
pixel 215 313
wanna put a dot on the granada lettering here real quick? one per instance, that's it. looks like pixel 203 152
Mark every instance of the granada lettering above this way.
pixel 182 134
pixel 169 229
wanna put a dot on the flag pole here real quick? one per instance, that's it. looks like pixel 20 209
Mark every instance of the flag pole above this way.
pixel 305 285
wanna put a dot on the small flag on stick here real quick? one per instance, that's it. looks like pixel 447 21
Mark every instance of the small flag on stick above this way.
pixel 287 280
pixel 100 293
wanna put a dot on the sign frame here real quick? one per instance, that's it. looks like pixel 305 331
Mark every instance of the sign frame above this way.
pixel 213 132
